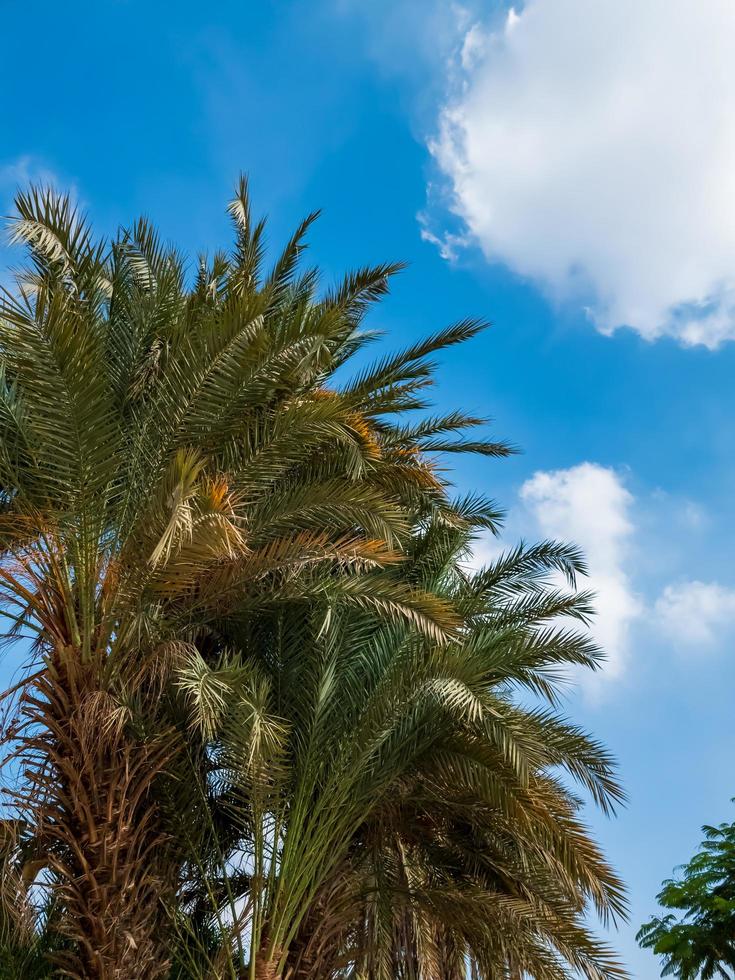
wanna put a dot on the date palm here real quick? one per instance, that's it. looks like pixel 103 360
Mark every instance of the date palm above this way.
pixel 385 804
pixel 181 472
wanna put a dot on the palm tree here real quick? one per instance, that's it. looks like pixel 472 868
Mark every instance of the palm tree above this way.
pixel 180 471
pixel 385 805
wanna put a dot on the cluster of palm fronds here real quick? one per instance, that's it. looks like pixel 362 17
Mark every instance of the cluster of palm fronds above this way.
pixel 272 726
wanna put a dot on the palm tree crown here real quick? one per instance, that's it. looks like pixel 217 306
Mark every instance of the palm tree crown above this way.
pixel 270 724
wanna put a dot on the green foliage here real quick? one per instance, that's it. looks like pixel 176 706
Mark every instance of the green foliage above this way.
pixel 699 941
pixel 276 726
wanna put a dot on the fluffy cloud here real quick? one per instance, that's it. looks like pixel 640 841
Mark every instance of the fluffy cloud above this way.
pixel 591 147
pixel 696 614
pixel 589 505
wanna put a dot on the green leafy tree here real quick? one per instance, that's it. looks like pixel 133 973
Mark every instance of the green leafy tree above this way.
pixel 698 938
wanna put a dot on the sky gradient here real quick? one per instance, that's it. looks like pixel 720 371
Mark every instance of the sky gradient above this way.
pixel 567 176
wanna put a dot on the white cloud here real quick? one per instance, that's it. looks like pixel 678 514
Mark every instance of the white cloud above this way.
pixel 696 614
pixel 485 549
pixel 589 505
pixel 591 147
pixel 16 172
pixel 22 171
pixel 448 244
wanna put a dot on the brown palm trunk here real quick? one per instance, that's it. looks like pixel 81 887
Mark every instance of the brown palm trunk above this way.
pixel 266 970
pixel 94 815
pixel 266 962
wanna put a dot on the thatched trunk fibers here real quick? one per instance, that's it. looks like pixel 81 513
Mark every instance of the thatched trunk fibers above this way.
pixel 266 962
pixel 91 804
pixel 266 970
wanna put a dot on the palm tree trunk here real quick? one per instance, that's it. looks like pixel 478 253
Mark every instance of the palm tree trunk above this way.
pixel 266 970
pixel 92 807
pixel 266 965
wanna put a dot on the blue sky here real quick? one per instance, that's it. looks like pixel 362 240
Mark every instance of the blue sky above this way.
pixel 562 172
